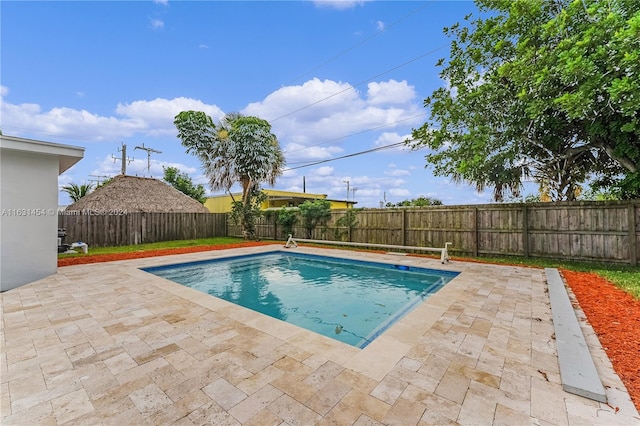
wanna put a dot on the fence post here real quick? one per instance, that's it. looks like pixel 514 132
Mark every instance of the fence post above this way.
pixel 404 227
pixel 525 231
pixel 275 227
pixel 633 240
pixel 476 238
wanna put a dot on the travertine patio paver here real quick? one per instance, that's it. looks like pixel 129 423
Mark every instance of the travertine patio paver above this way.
pixel 111 344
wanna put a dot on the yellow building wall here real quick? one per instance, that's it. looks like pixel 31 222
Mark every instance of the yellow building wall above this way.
pixel 222 203
pixel 340 204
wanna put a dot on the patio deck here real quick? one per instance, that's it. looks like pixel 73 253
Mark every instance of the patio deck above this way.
pixel 110 344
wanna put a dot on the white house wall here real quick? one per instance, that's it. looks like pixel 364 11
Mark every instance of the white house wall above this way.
pixel 29 217
pixel 29 204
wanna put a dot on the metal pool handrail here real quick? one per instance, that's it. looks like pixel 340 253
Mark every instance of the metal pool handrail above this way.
pixel 444 252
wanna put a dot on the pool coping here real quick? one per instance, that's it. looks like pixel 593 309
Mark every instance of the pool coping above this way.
pixel 374 333
pixel 370 361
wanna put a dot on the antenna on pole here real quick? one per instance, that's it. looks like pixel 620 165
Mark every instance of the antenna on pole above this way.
pixel 123 158
pixel 149 151
pixel 97 179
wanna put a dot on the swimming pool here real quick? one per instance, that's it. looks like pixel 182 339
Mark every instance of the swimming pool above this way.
pixel 351 301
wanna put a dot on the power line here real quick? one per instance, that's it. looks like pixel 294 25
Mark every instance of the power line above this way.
pixel 380 148
pixel 362 82
pixel 354 134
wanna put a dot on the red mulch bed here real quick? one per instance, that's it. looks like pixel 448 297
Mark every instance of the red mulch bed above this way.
pixel 81 260
pixel 613 313
pixel 615 317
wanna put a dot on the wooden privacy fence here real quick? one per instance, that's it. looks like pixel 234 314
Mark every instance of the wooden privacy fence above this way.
pixel 102 230
pixel 594 231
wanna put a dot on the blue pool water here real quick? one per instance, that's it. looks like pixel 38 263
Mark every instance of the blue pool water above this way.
pixel 348 300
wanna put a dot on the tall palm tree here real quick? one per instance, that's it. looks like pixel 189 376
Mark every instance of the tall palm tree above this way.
pixel 77 191
pixel 239 149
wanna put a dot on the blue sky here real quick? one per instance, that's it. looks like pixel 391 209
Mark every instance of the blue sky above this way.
pixel 332 77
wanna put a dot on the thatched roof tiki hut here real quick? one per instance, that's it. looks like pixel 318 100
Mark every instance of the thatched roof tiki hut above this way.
pixel 132 194
pixel 134 210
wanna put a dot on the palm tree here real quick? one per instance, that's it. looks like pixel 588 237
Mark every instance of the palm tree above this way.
pixel 239 149
pixel 77 191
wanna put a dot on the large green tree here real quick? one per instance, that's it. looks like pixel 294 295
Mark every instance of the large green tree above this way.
pixel 547 90
pixel 238 149
pixel 183 183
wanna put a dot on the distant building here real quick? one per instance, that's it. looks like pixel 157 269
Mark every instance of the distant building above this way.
pixel 275 201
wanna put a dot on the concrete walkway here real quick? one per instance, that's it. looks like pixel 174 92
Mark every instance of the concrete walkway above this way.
pixel 110 344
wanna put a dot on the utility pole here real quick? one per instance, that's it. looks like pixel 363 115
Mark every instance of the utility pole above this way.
pixel 123 158
pixel 149 151
pixel 353 191
pixel 347 182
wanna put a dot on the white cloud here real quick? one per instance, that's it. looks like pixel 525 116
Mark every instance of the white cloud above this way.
pixel 339 4
pixel 148 118
pixel 295 153
pixel 156 23
pixel 399 192
pixel 371 190
pixel 390 92
pixel 380 26
pixel 4 91
pixel 163 2
pixel 397 172
pixel 315 119
pixel 313 99
pixel 67 178
pixel 158 114
pixel 66 122
pixel 203 46
pixel 389 138
pixel 323 171
pixel 337 113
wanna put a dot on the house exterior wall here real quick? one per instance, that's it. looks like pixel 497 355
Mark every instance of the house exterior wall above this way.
pixel 221 204
pixel 29 217
pixel 29 208
pixel 275 199
pixel 339 204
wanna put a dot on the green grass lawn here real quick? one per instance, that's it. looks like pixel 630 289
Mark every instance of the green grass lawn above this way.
pixel 158 246
pixel 623 276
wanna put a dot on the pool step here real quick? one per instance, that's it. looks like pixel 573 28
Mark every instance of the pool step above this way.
pixel 577 370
